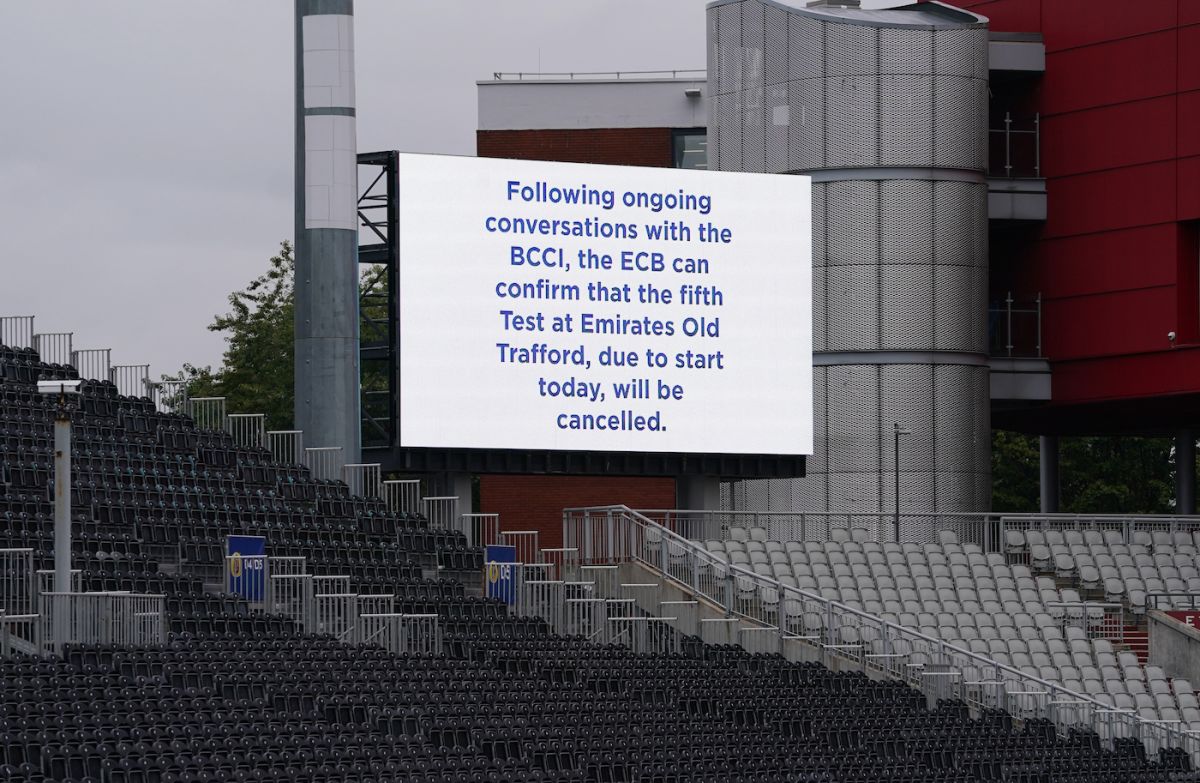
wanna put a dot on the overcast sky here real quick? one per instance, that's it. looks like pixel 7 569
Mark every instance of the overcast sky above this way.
pixel 146 145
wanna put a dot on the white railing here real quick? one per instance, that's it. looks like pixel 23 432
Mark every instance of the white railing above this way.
pixel 802 622
pixel 480 529
pixel 92 363
pixel 403 496
pixel 16 331
pixel 54 347
pixel 402 634
pixel 126 619
pixel 325 462
pixel 525 542
pixel 170 395
pixel 18 582
pixel 363 480
pixel 207 413
pixel 132 380
pixel 286 446
pixel 247 429
pixel 442 512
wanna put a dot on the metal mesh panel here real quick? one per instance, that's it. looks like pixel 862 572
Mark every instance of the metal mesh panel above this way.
pixel 811 492
pixel 960 230
pixel 727 47
pixel 819 316
pixel 851 120
pixel 777 122
pixel 753 22
pixel 854 492
pixel 851 50
pixel 806 148
pixel 905 222
pixel 851 214
pixel 852 308
pixel 753 135
pixel 905 51
pixel 727 121
pixel 819 461
pixel 775 46
pixel 905 120
pixel 755 495
pixel 958 313
pixel 959 103
pixel 853 443
pixel 806 48
pixel 906 307
pixel 906 395
pixel 954 53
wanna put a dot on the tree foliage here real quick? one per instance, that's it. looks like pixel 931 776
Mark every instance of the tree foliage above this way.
pixel 256 373
pixel 1109 474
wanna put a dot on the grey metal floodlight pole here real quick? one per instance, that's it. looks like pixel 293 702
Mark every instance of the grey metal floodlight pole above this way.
pixel 896 461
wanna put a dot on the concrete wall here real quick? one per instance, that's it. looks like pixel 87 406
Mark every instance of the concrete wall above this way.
pixel 1175 646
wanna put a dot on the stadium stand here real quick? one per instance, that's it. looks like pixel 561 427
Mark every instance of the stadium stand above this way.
pixel 232 692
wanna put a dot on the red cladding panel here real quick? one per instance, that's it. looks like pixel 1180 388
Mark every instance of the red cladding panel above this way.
pixel 1189 189
pixel 1122 322
pixel 617 146
pixel 1010 16
pixel 1100 138
pixel 1147 375
pixel 1071 23
pixel 1105 200
pixel 1189 124
pixel 1111 261
pixel 1127 70
pixel 537 502
pixel 1189 57
pixel 1189 12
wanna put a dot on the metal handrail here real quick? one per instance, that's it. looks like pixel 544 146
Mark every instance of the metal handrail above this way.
pixel 671 545
pixel 1009 132
pixel 500 76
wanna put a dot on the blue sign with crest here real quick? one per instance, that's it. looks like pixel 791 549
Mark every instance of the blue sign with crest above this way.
pixel 246 566
pixel 498 569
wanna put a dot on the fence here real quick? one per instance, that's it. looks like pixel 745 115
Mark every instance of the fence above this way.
pixel 325 462
pixel 286 446
pixel 170 395
pixel 403 496
pixel 102 618
pixel 442 512
pixel 16 331
pixel 363 480
pixel 19 626
pixel 208 413
pixel 132 380
pixel 525 542
pixel 54 347
pixel 1014 149
pixel 480 529
pixel 248 429
pixel 1015 328
pixel 803 623
pixel 402 634
pixel 92 363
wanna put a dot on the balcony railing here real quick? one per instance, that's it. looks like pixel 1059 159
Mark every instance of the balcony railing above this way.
pixel 1015 148
pixel 1015 328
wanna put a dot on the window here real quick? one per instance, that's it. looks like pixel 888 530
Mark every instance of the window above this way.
pixel 691 148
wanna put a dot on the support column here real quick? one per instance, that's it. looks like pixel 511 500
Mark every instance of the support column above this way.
pixel 1049 473
pixel 1185 472
pixel 326 252
pixel 698 493
pixel 459 485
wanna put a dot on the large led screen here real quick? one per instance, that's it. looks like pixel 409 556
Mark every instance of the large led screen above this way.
pixel 563 306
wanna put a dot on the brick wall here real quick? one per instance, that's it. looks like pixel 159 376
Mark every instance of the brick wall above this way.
pixel 536 502
pixel 617 146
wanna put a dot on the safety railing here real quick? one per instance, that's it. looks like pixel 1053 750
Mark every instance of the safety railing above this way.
pixel 208 413
pixel 325 462
pixel 45 581
pixel 286 446
pixel 402 634
pixel 526 543
pixel 1015 148
pixel 54 347
pixel 442 512
pixel 1097 620
pixel 700 525
pixel 1168 601
pixel 647 635
pixel 480 529
pixel 403 496
pixel 800 619
pixel 18 582
pixel 92 364
pixel 132 380
pixel 170 395
pixel 125 619
pixel 247 429
pixel 698 74
pixel 20 634
pixel 363 480
pixel 336 614
pixel 1015 328
pixel 16 331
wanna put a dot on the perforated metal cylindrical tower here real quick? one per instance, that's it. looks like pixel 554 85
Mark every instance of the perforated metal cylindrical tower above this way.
pixel 887 110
